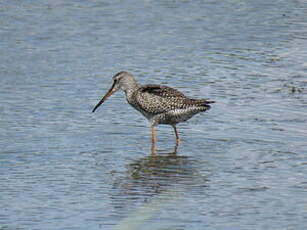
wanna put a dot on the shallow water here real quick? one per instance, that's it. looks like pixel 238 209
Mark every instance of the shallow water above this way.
pixel 241 165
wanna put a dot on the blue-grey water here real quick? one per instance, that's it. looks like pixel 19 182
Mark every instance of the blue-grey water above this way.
pixel 241 165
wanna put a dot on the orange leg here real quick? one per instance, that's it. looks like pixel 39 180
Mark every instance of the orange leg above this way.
pixel 177 135
pixel 153 140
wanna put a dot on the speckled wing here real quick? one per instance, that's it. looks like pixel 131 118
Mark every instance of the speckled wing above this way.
pixel 157 99
pixel 162 91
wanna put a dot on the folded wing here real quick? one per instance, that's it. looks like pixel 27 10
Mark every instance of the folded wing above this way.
pixel 162 99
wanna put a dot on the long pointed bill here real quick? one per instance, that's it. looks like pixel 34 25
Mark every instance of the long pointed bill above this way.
pixel 108 94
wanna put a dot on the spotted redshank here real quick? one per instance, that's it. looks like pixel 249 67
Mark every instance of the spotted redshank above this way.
pixel 159 104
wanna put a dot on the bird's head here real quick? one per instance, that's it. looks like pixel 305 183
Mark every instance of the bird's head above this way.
pixel 122 80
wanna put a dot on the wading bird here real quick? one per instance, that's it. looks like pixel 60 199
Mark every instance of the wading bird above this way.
pixel 159 104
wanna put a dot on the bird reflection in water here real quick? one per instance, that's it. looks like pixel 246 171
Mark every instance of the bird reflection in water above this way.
pixel 155 174
pixel 153 183
pixel 158 169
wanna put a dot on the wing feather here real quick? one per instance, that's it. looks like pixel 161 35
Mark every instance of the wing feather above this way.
pixel 157 99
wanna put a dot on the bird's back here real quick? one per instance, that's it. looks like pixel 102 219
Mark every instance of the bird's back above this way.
pixel 166 105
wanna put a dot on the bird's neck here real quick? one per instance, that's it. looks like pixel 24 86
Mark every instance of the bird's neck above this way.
pixel 129 89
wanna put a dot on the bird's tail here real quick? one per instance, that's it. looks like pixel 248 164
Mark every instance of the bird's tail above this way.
pixel 209 102
pixel 202 103
pixel 205 104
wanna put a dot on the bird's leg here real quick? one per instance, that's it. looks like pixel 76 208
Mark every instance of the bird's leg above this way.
pixel 153 135
pixel 177 135
pixel 153 140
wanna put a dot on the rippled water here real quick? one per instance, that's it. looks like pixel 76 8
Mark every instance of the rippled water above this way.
pixel 241 165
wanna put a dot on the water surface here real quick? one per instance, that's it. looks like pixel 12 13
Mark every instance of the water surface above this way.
pixel 241 165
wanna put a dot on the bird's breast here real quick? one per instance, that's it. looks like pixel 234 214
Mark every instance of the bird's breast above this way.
pixel 133 101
